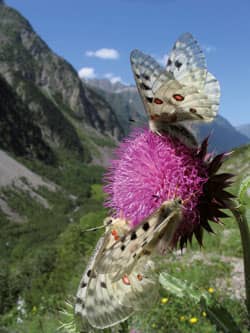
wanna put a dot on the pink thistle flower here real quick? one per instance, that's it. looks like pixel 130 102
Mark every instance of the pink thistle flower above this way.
pixel 149 169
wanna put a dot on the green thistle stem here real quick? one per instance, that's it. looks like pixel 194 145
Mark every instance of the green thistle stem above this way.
pixel 239 213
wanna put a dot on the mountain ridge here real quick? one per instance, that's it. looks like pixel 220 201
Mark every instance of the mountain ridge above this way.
pixel 51 88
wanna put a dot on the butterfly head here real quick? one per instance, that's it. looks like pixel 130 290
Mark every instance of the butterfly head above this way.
pixel 171 208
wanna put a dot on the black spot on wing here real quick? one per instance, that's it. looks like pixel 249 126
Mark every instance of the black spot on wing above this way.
pixel 103 285
pixel 145 76
pixel 79 300
pixel 133 235
pixel 178 64
pixel 83 284
pixel 149 99
pixel 192 110
pixel 89 273
pixel 109 222
pixel 145 226
pixel 123 247
pixel 144 86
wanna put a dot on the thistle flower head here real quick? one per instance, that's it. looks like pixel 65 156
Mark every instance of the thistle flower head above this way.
pixel 149 169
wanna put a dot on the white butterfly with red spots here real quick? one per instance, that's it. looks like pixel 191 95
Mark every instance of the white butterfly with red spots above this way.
pixel 182 91
pixel 118 279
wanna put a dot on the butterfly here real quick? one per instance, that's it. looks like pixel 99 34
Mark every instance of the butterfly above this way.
pixel 183 91
pixel 118 278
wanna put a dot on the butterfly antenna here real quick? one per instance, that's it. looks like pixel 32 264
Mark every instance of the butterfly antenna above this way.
pixel 94 229
pixel 175 191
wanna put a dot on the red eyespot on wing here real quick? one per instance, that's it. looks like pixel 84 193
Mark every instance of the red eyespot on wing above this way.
pixel 158 101
pixel 178 98
pixel 126 280
pixel 115 234
pixel 139 277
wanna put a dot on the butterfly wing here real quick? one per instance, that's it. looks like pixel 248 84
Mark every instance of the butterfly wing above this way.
pixel 122 256
pixel 184 91
pixel 185 57
pixel 185 102
pixel 100 301
pixel 149 76
pixel 103 309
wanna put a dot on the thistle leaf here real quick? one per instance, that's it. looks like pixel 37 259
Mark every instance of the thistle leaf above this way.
pixel 181 288
pixel 243 191
pixel 220 317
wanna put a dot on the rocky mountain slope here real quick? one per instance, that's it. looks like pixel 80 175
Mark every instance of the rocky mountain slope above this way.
pixel 15 175
pixel 126 101
pixel 19 133
pixel 62 107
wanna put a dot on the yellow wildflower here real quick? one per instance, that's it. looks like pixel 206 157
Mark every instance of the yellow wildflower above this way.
pixel 164 300
pixel 211 290
pixel 193 320
pixel 182 318
pixel 204 314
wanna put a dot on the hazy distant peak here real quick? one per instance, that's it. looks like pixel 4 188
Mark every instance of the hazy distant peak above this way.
pixel 244 129
pixel 109 86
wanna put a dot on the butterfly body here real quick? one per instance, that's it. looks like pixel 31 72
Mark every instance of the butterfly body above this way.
pixel 118 278
pixel 183 91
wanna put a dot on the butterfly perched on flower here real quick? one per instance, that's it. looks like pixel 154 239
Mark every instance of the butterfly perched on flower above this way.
pixel 183 91
pixel 118 279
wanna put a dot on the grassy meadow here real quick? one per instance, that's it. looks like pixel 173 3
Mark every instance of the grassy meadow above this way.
pixel 42 260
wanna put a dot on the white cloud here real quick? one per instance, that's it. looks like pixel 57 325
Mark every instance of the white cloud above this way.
pixel 103 53
pixel 87 73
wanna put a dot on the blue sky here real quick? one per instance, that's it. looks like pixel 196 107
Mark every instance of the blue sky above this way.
pixel 76 29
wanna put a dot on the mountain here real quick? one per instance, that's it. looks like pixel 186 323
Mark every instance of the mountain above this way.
pixel 108 85
pixel 244 129
pixel 223 136
pixel 19 134
pixel 125 101
pixel 69 114
pixel 128 106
